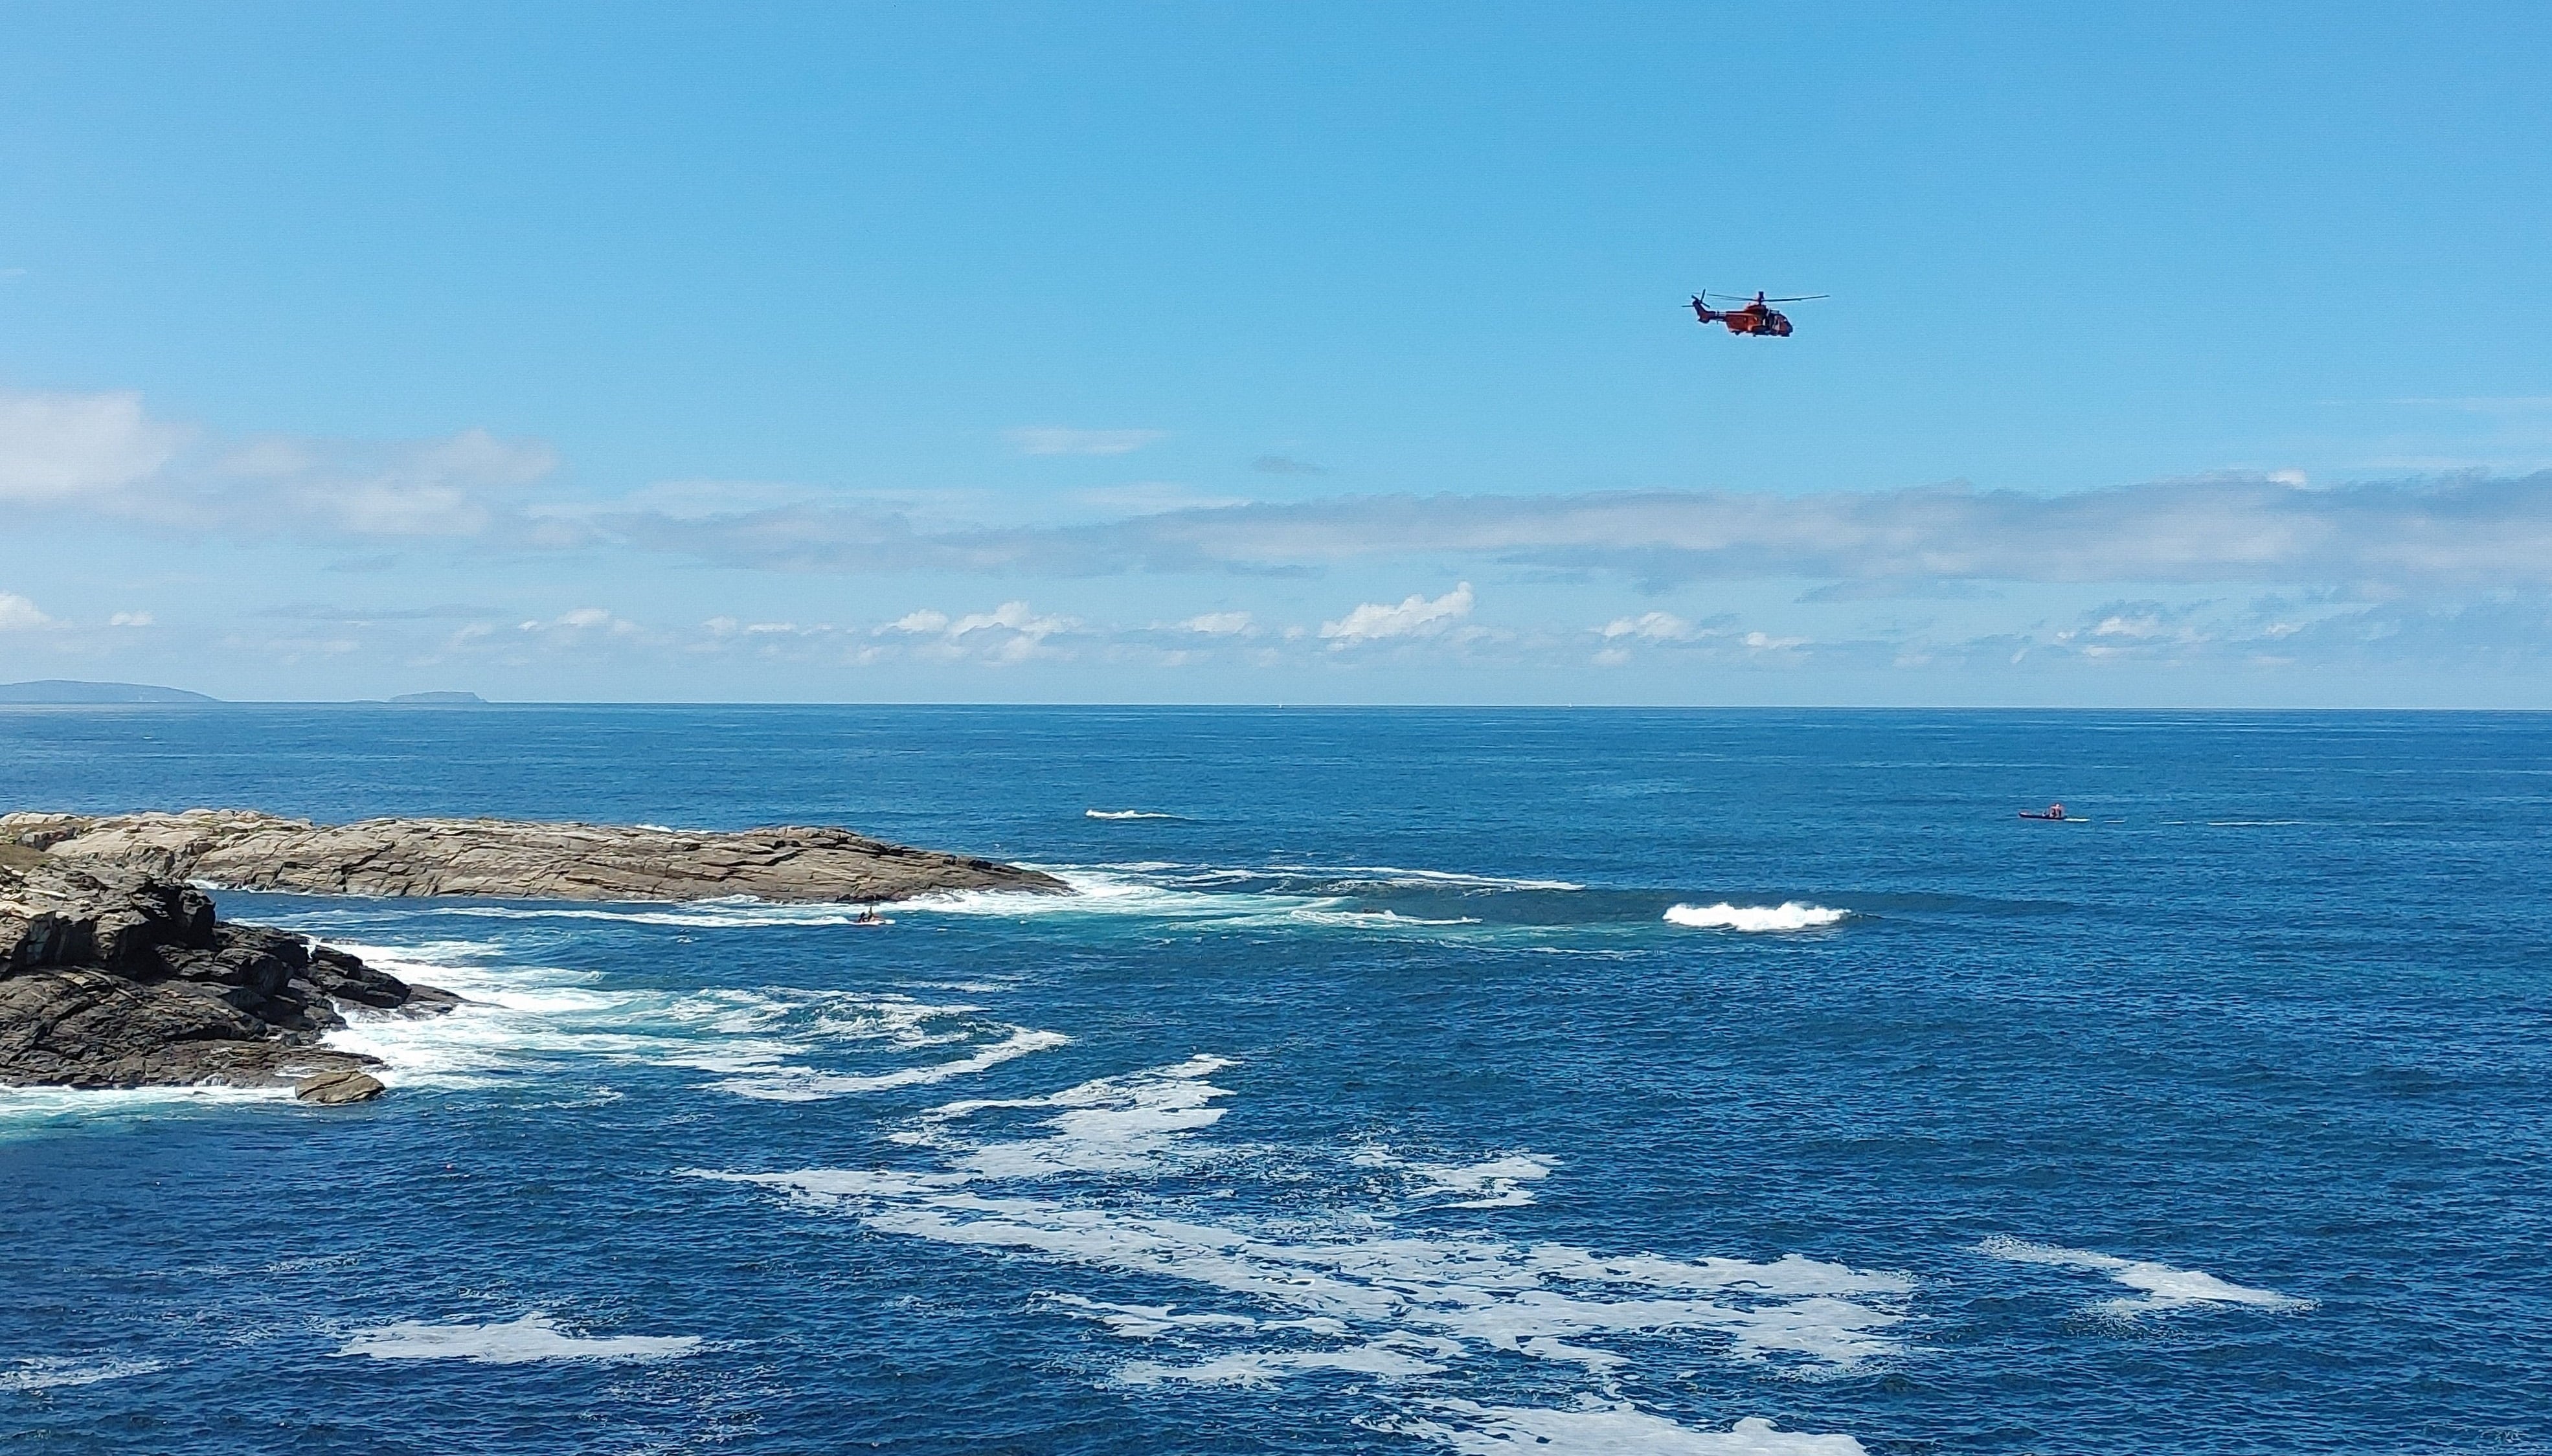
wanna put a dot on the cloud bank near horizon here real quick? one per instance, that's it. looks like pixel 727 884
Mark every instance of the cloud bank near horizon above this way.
pixel 2240 572
pixel 100 457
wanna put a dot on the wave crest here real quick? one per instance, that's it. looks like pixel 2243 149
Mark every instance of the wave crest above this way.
pixel 1789 915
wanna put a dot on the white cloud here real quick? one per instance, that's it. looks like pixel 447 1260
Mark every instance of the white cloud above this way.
pixel 1653 626
pixel 128 619
pixel 1416 616
pixel 1013 632
pixel 61 448
pixel 583 621
pixel 1219 624
pixel 1048 440
pixel 100 454
pixel 17 614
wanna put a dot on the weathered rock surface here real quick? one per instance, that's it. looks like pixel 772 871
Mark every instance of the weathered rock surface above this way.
pixel 503 859
pixel 336 1088
pixel 113 979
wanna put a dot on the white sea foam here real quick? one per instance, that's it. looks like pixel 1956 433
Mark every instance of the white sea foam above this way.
pixel 2164 1289
pixel 1394 875
pixel 764 1042
pixel 1610 1428
pixel 1385 1359
pixel 56 1371
pixel 1106 1125
pixel 1497 1182
pixel 1347 1292
pixel 1125 815
pixel 806 1085
pixel 1204 900
pixel 1146 1321
pixel 732 913
pixel 1789 915
pixel 535 1336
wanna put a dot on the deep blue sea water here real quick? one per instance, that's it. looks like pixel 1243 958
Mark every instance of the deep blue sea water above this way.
pixel 1368 1099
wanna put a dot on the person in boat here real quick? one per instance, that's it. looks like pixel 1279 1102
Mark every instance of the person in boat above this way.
pixel 2056 812
pixel 866 917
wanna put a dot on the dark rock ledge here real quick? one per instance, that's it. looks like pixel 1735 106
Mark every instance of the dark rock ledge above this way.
pixel 111 978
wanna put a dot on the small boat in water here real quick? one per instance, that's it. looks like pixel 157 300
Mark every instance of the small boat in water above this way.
pixel 2053 811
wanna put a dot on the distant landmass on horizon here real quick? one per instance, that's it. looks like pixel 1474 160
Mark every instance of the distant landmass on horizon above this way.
pixel 64 690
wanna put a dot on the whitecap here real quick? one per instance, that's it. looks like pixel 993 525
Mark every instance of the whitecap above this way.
pixel 2165 1287
pixel 1603 1430
pixel 535 1336
pixel 1125 815
pixel 1789 915
pixel 57 1372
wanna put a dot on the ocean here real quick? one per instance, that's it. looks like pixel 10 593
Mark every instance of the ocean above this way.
pixel 1754 1084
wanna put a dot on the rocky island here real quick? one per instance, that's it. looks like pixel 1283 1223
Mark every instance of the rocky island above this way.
pixel 115 973
pixel 508 858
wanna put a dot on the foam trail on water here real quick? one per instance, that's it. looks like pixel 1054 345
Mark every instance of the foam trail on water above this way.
pixel 1346 1293
pixel 56 1371
pixel 1603 1430
pixel 719 914
pixel 1125 815
pixel 1497 1183
pixel 1789 915
pixel 806 1084
pixel 533 1338
pixel 1380 1358
pixel 1396 876
pixel 2164 1289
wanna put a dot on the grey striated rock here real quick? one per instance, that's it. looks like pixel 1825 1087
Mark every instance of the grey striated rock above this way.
pixel 505 859
pixel 114 979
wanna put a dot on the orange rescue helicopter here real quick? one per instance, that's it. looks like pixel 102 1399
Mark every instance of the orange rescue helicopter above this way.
pixel 1758 317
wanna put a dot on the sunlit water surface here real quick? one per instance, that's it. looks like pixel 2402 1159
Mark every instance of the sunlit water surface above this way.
pixel 1415 1081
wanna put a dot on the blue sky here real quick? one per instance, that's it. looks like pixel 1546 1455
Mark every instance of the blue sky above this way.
pixel 1279 352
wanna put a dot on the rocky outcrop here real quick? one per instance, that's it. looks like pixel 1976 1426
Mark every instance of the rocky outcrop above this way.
pixel 503 859
pixel 112 979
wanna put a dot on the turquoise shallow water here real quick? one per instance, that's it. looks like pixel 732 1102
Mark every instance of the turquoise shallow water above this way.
pixel 1368 1099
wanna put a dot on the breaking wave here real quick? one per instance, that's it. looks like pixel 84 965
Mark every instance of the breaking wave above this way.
pixel 770 1043
pixel 1790 915
pixel 1125 815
